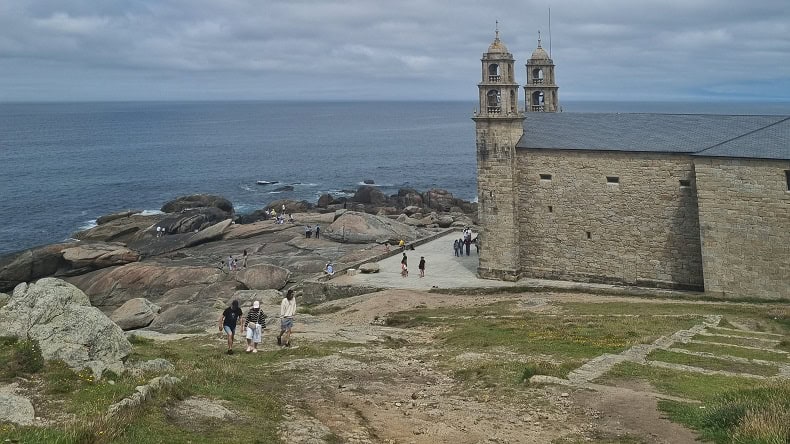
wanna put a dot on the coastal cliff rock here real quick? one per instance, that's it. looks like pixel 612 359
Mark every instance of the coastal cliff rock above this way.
pixel 113 286
pixel 357 228
pixel 189 221
pixel 119 215
pixel 324 200
pixel 263 277
pixel 156 246
pixel 32 264
pixel 370 195
pixel 59 316
pixel 122 229
pixel 198 201
pixel 291 206
pixel 135 313
pixel 86 257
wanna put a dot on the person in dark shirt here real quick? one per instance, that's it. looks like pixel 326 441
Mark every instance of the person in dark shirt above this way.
pixel 227 322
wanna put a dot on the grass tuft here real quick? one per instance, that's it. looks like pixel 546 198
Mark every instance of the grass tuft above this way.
pixel 21 357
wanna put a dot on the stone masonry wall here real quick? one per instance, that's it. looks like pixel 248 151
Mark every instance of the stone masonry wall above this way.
pixel 744 207
pixel 643 230
pixel 496 141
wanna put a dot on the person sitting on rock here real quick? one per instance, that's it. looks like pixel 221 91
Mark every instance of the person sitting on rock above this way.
pixel 329 269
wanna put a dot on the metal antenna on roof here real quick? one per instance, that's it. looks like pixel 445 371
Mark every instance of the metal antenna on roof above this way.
pixel 497 30
pixel 549 32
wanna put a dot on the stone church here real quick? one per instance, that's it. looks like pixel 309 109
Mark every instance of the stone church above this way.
pixel 698 202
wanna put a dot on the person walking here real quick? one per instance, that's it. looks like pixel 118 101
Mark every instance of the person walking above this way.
pixel 455 247
pixel 244 259
pixel 287 312
pixel 404 266
pixel 421 266
pixel 468 243
pixel 228 321
pixel 317 231
pixel 253 324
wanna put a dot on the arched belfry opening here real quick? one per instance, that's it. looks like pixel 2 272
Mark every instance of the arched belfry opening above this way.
pixel 541 90
pixel 493 102
pixel 493 73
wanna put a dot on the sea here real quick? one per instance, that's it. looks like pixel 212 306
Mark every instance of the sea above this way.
pixel 62 165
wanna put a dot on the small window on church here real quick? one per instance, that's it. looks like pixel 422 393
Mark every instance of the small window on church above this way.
pixel 787 179
pixel 612 179
pixel 545 177
pixel 685 183
pixel 551 209
pixel 589 235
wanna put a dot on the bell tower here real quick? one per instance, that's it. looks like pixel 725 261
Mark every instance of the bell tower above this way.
pixel 499 125
pixel 540 91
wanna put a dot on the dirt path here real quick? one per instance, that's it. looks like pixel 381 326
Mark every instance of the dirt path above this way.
pixel 379 393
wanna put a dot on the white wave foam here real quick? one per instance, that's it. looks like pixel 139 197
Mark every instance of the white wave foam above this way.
pixel 87 225
pixel 150 212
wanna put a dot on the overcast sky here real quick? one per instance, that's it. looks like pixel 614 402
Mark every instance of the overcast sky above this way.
pixel 388 49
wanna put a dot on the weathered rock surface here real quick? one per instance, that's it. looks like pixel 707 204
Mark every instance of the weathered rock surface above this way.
pixel 124 229
pixel 114 286
pixel 89 256
pixel 370 267
pixel 263 277
pixel 59 316
pixel 169 243
pixel 445 221
pixel 111 217
pixel 324 201
pixel 370 195
pixel 354 227
pixel 135 313
pixel 32 264
pixel 4 299
pixel 291 206
pixel 158 365
pixel 189 221
pixel 14 408
pixel 198 201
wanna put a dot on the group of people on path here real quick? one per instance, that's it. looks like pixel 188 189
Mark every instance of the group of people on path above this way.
pixel 233 264
pixel 465 243
pixel 308 231
pixel 255 321
pixel 404 266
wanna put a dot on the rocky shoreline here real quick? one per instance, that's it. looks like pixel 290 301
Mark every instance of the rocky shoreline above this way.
pixel 171 266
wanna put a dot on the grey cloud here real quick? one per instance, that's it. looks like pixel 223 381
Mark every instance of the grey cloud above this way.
pixel 378 49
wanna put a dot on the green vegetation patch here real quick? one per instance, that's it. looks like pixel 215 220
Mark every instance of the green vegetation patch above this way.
pixel 742 333
pixel 564 337
pixel 758 414
pixel 683 384
pixel 19 358
pixel 712 363
pixel 763 355
pixel 736 340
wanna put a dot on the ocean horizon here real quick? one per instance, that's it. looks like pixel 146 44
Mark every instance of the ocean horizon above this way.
pixel 64 164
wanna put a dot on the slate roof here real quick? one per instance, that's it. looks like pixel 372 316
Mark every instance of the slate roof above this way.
pixel 710 135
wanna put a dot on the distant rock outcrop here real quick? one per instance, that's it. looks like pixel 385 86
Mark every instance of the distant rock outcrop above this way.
pixel 59 316
pixel 357 228
pixel 32 264
pixel 114 216
pixel 198 201
pixel 135 313
pixel 90 256
pixel 263 277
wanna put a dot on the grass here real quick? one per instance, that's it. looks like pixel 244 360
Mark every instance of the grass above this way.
pixel 741 333
pixel 712 363
pixel 19 357
pixel 758 414
pixel 676 383
pixel 735 340
pixel 563 337
pixel 763 355
pixel 248 384
pixel 320 309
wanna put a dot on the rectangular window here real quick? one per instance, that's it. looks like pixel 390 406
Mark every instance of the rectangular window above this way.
pixel 551 209
pixel 589 235
pixel 545 177
pixel 787 179
pixel 685 183
pixel 612 179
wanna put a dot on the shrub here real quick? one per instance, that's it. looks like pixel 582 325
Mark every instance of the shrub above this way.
pixel 755 415
pixel 23 357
